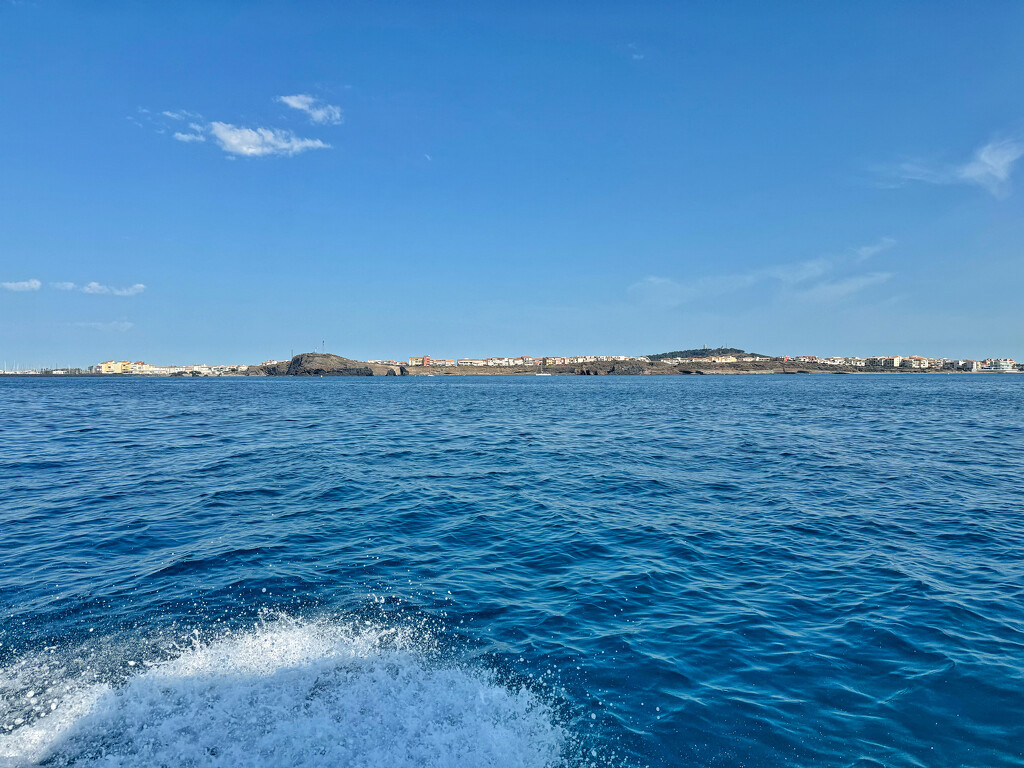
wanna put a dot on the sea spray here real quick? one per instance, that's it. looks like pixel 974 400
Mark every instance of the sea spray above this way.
pixel 284 693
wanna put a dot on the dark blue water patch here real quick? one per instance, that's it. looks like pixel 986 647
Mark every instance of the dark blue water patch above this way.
pixel 613 571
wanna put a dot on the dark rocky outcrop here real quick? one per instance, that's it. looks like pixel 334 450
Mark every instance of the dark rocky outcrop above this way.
pixel 321 364
pixel 316 364
pixel 627 368
pixel 277 369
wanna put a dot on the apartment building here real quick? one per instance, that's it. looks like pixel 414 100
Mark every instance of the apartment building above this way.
pixel 885 361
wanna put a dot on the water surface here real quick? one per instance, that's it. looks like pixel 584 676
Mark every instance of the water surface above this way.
pixel 502 571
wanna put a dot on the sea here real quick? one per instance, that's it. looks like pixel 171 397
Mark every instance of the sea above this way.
pixel 512 571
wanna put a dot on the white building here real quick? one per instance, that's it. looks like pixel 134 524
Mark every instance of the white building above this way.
pixel 999 365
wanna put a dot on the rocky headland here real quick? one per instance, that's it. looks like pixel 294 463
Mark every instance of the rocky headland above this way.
pixel 322 364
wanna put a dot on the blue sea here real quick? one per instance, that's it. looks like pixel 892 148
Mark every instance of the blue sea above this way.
pixel 513 571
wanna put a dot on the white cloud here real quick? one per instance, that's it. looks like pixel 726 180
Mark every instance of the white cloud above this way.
pixel 63 286
pixel 97 288
pixel 22 285
pixel 240 140
pixel 258 142
pixel 803 279
pixel 319 112
pixel 990 168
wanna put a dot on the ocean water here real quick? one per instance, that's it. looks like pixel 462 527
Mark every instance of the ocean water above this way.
pixel 499 571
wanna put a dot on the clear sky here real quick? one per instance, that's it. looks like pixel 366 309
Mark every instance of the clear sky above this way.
pixel 229 182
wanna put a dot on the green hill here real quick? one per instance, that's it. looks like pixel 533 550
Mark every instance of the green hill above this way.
pixel 705 352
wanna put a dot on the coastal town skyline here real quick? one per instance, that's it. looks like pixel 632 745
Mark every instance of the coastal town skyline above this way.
pixel 892 362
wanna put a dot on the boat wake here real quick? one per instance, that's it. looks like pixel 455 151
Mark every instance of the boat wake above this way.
pixel 286 693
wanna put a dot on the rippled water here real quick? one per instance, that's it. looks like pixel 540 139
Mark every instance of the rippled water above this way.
pixel 505 571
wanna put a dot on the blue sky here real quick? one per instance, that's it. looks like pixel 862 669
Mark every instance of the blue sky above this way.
pixel 228 182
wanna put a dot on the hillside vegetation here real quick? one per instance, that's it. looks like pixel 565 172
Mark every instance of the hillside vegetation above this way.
pixel 705 352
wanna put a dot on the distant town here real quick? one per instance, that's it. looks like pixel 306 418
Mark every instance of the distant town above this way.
pixel 707 360
pixel 889 361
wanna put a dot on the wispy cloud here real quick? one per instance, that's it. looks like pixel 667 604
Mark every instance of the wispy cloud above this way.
pixel 838 289
pixel 320 112
pixel 181 114
pixel 867 251
pixel 115 325
pixel 992 165
pixel 64 285
pixel 22 285
pixel 249 142
pixel 97 288
pixel 242 140
pixel 258 142
pixel 990 169
pixel 661 292
pixel 812 280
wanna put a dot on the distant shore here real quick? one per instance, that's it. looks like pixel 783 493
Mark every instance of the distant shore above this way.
pixel 711 369
pixel 688 369
pixel 321 364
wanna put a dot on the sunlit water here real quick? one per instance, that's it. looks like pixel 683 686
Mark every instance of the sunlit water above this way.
pixel 642 571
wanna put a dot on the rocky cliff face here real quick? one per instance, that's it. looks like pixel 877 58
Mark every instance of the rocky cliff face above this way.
pixel 317 364
pixel 623 368
pixel 280 369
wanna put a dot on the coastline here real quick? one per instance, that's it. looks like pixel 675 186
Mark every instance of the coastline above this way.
pixel 773 368
pixel 721 370
pixel 320 364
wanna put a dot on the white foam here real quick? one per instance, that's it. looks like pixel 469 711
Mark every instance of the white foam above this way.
pixel 284 694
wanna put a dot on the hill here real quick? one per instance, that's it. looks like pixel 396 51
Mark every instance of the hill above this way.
pixel 318 364
pixel 705 352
